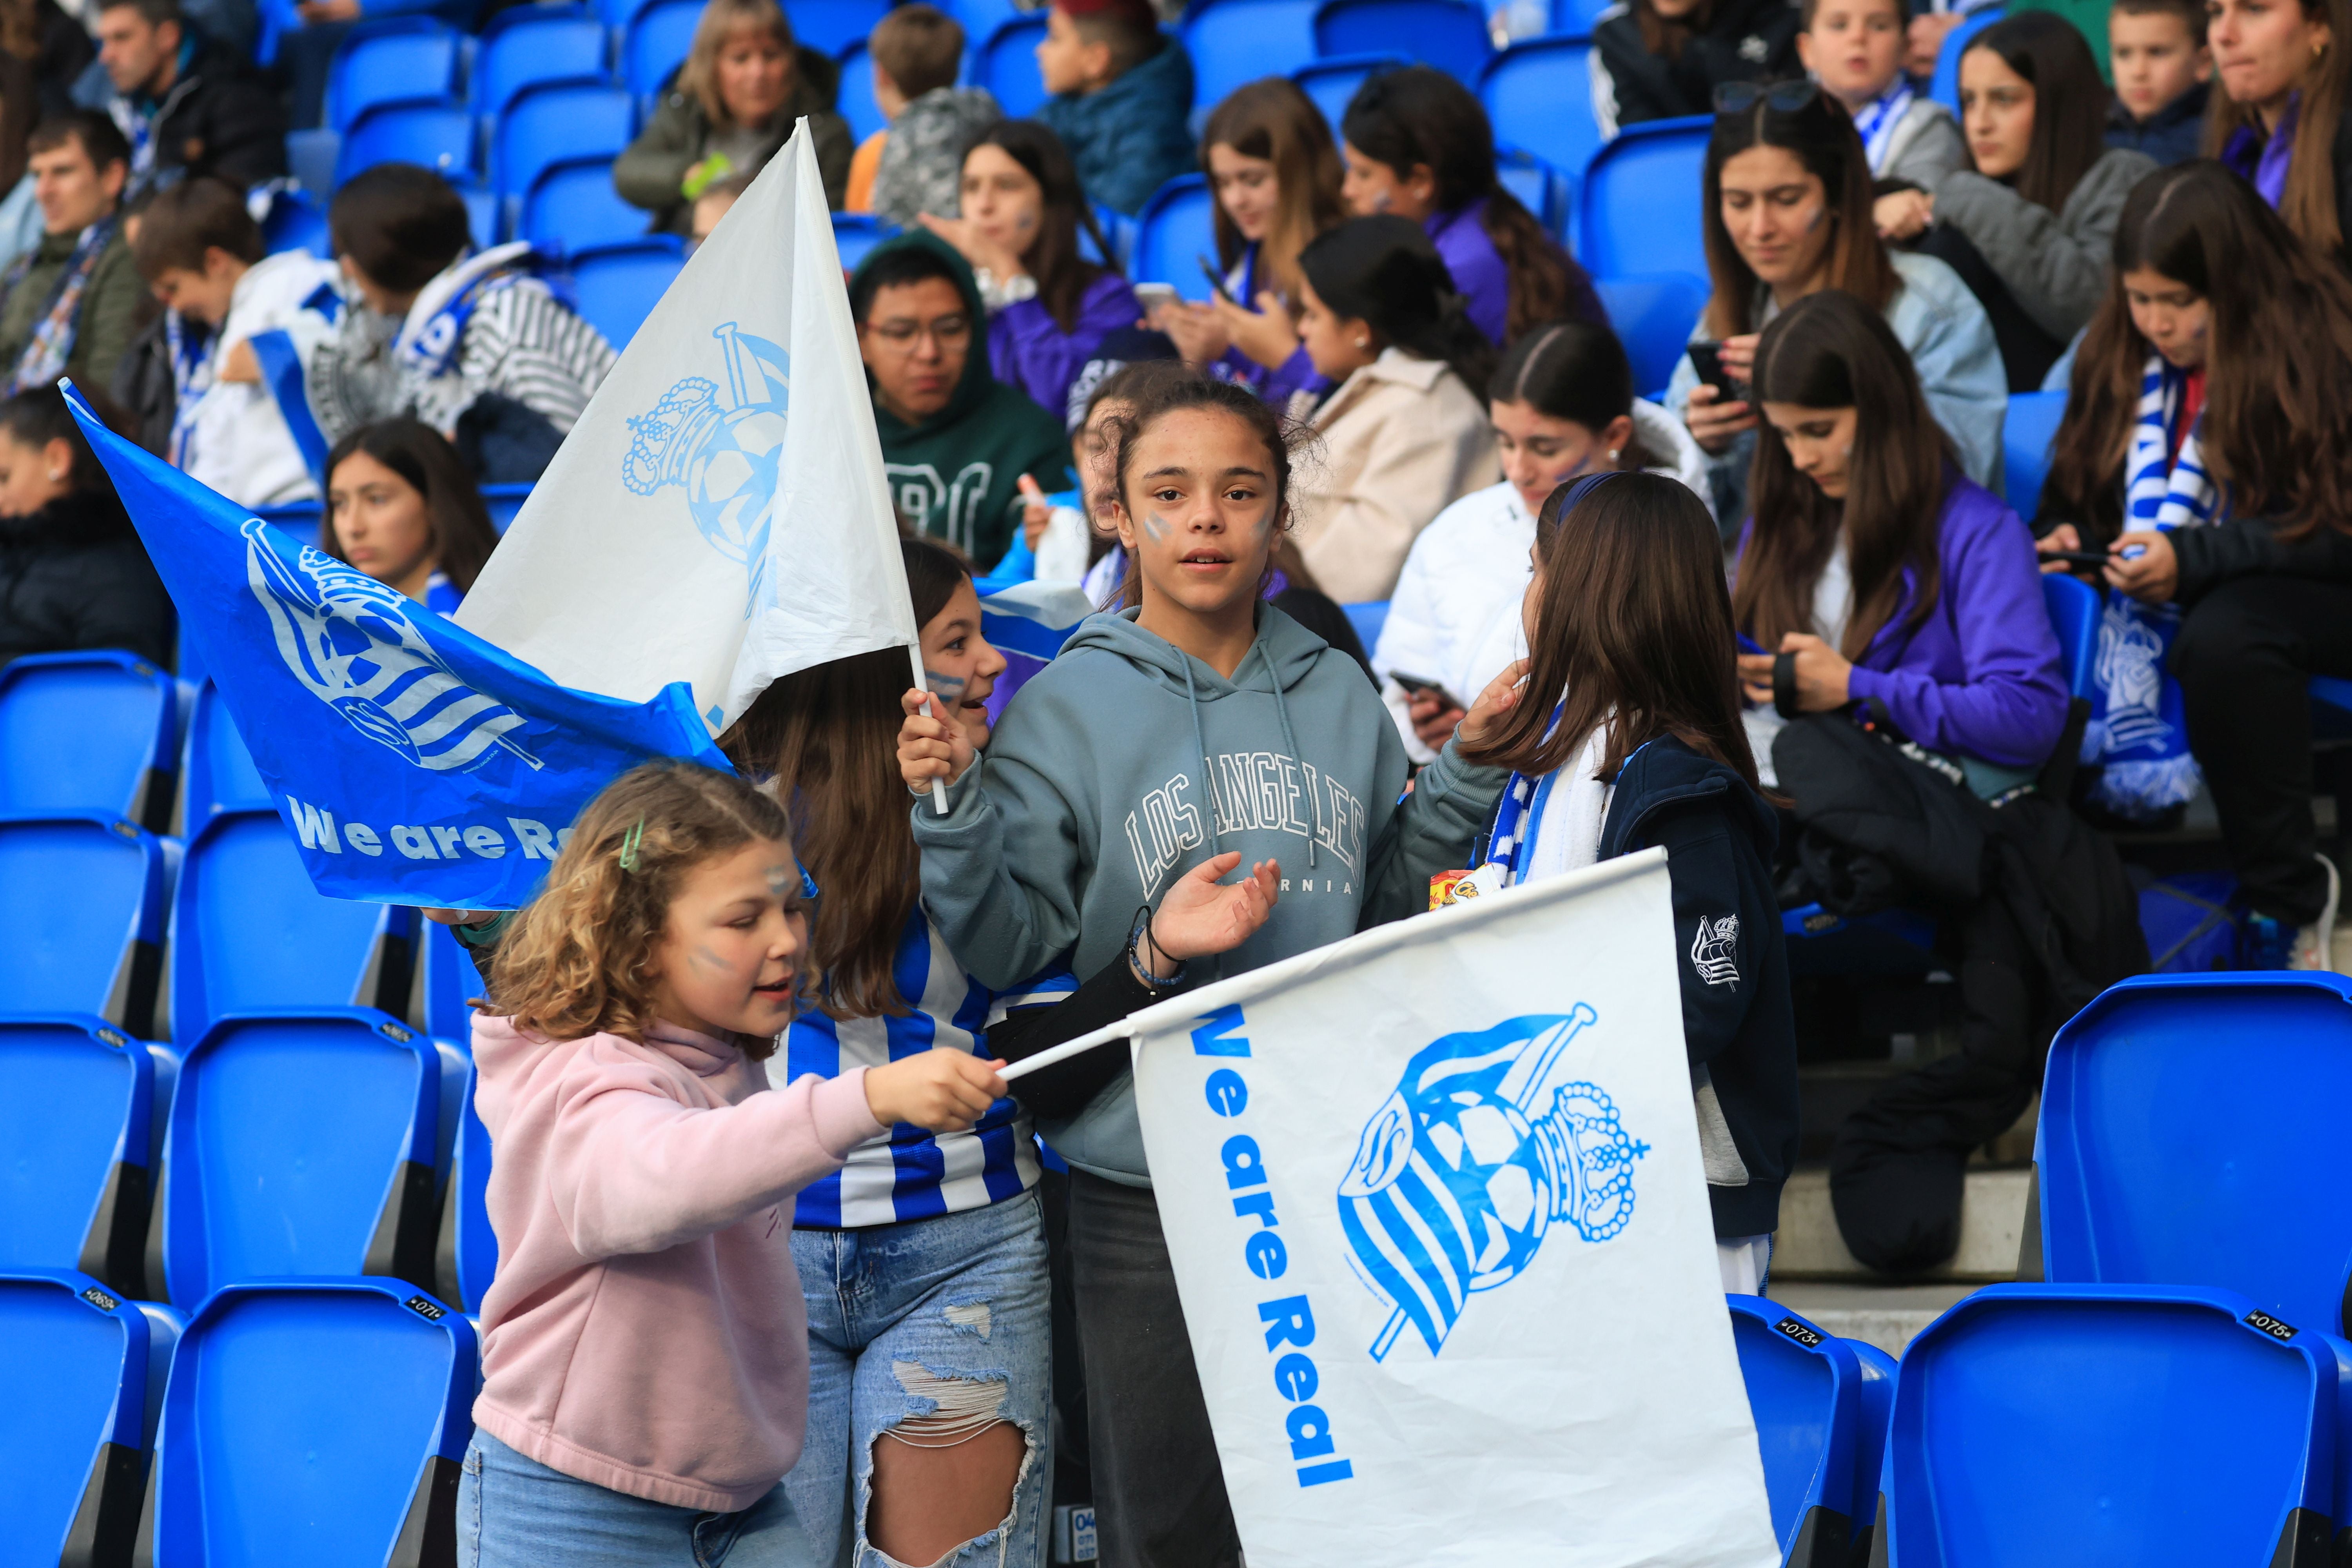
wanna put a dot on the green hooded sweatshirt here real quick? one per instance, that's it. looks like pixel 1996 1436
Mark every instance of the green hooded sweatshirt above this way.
pixel 956 475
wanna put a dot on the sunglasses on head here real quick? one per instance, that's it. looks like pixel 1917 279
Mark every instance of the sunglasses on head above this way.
pixel 1784 97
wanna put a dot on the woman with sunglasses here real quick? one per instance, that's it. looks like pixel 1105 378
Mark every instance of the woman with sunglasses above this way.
pixel 1657 59
pixel 1788 212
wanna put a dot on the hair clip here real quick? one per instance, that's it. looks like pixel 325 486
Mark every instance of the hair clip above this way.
pixel 629 845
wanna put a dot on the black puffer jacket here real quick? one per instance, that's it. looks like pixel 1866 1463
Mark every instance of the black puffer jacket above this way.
pixel 220 118
pixel 1744 40
pixel 74 575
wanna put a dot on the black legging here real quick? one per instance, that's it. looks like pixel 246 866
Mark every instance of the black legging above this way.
pixel 2243 654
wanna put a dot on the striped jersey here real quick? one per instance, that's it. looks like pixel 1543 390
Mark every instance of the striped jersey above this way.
pixel 909 1174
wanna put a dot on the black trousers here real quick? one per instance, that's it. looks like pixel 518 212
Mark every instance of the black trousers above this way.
pixel 1159 1492
pixel 2242 656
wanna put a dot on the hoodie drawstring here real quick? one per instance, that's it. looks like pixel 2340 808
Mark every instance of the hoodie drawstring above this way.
pixel 1201 741
pixel 1289 741
pixel 1282 713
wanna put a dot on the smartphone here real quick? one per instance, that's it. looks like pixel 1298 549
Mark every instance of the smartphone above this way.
pixel 1707 358
pixel 1152 296
pixel 1417 684
pixel 1749 645
pixel 1216 280
pixel 2078 557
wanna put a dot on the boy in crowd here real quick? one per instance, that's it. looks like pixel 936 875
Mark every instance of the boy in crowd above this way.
pixel 1122 95
pixel 204 256
pixel 71 305
pixel 184 102
pixel 917 163
pixel 1855 49
pixel 2164 73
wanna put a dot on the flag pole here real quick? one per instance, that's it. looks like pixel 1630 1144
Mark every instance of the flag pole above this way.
pixel 939 788
pixel 1121 1030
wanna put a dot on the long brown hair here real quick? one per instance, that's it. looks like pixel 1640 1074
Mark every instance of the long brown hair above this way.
pixel 1276 120
pixel 825 740
pixel 463 536
pixel 1063 276
pixel 1822 137
pixel 2069 101
pixel 1632 625
pixel 697 78
pixel 2277 431
pixel 1831 351
pixel 574 963
pixel 2308 204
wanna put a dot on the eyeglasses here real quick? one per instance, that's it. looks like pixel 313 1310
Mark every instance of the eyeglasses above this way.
pixel 1783 97
pixel 947 331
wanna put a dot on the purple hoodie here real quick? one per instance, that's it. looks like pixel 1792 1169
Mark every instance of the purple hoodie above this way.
pixel 1481 276
pixel 1028 348
pixel 1982 674
pixel 1297 372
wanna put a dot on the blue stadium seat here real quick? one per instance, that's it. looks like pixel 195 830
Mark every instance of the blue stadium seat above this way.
pixel 446 977
pixel 1332 83
pixel 1175 229
pixel 504 501
pixel 1006 64
pixel 468 1257
pixel 1874 1411
pixel 528 44
pixel 1539 93
pixel 1368 617
pixel 2025 438
pixel 573 203
pixel 318 1421
pixel 2191 1133
pixel 89 731
pixel 1448 34
pixel 437 132
pixel 830 26
pixel 248 931
pixel 1804 1389
pixel 981 17
pixel 855 233
pixel 1652 313
pixel 1944 87
pixel 297 519
pixel 1119 233
pixel 81 1377
pixel 550 121
pixel 216 773
pixel 1545 191
pixel 296 222
pixel 384 61
pixel 656 45
pixel 855 100
pixel 617 14
pixel 618 285
pixel 2074 606
pixel 1237 41
pixel 79 1112
pixel 482 214
pixel 1640 209
pixel 97 952
pixel 1577 15
pixel 2036 1426
pixel 306 1143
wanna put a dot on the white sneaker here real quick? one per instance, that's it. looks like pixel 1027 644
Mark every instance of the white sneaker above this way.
pixel 2315 944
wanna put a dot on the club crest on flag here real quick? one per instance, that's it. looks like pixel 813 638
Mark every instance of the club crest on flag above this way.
pixel 351 643
pixel 1461 1171
pixel 725 456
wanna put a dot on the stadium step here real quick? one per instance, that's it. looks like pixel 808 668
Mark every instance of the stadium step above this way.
pixel 1886 1316
pixel 1992 1220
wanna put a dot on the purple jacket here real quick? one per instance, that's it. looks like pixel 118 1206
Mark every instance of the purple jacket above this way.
pixel 1028 348
pixel 1276 386
pixel 1480 275
pixel 1982 674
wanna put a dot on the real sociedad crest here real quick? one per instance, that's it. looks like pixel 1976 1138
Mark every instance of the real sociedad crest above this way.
pixel 350 642
pixel 1459 1175
pixel 725 457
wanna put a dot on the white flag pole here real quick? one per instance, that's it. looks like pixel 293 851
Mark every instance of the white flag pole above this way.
pixel 922 684
pixel 1122 1030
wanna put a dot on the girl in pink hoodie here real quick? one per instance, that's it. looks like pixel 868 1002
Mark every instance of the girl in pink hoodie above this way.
pixel 645 1361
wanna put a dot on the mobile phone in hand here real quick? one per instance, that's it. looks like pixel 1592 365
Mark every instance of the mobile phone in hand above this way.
pixel 1707 358
pixel 2078 557
pixel 1417 684
pixel 1152 295
pixel 1216 280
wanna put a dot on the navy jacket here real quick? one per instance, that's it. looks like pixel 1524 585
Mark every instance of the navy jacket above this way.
pixel 1737 1024
pixel 2171 135
pixel 1133 136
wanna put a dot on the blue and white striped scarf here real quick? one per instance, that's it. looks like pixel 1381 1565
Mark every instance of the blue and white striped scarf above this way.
pixel 1876 122
pixel 2138 734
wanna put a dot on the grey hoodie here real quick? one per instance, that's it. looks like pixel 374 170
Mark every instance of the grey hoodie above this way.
pixel 1090 803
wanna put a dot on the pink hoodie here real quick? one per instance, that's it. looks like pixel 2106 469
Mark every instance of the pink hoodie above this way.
pixel 646 1332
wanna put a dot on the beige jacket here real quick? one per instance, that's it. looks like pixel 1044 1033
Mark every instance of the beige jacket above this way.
pixel 1403 439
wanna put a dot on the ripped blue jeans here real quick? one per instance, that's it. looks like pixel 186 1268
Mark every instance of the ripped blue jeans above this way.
pixel 945 1318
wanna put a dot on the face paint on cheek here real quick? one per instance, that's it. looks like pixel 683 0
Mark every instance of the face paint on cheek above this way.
pixel 779 880
pixel 1155 528
pixel 949 687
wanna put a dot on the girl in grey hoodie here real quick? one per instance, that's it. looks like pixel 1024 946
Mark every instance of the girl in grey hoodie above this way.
pixel 1197 722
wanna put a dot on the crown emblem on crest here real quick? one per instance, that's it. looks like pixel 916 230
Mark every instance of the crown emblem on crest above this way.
pixel 669 432
pixel 725 454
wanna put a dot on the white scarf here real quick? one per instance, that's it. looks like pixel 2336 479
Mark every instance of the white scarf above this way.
pixel 2160 490
pixel 1878 121
pixel 1551 826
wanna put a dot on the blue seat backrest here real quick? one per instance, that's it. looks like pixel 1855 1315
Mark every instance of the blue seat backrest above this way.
pixel 1543 190
pixel 249 931
pixel 378 62
pixel 1448 34
pixel 2026 433
pixel 1874 1409
pixel 1237 41
pixel 1577 15
pixel 1006 64
pixel 302 1143
pixel 618 14
pixel 88 732
pixel 618 285
pixel 1641 201
pixel 2074 609
pixel 2049 1425
pixel 503 501
pixel 217 774
pixel 1177 226
pixel 529 44
pixel 469 1249
pixel 855 103
pixel 296 222
pixel 1539 93
pixel 658 37
pixel 551 120
pixel 437 132
pixel 98 948
pixel 1332 82
pixel 1944 87
pixel 1654 313
pixel 855 233
pixel 76 1102
pixel 308 1422
pixel 297 519
pixel 573 203
pixel 830 26
pixel 1805 1391
pixel 1368 617
pixel 74 1362
pixel 2192 1133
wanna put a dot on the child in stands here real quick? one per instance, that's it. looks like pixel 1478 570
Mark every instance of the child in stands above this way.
pixel 202 254
pixel 2164 74
pixel 73 573
pixel 402 508
pixel 645 1368
pixel 1121 92
pixel 1854 49
pixel 915 164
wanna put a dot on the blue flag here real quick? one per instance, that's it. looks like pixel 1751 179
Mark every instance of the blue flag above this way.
pixel 414 763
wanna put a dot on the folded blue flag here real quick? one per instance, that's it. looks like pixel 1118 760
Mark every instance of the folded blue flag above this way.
pixel 414 763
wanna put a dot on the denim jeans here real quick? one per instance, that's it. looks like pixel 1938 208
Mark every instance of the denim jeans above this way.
pixel 515 1512
pixel 947 1316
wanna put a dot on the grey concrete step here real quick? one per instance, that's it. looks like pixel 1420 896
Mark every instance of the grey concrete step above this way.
pixel 1992 1220
pixel 1887 1316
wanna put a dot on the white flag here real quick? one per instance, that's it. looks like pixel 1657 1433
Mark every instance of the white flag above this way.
pixel 1434 1199
pixel 718 515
